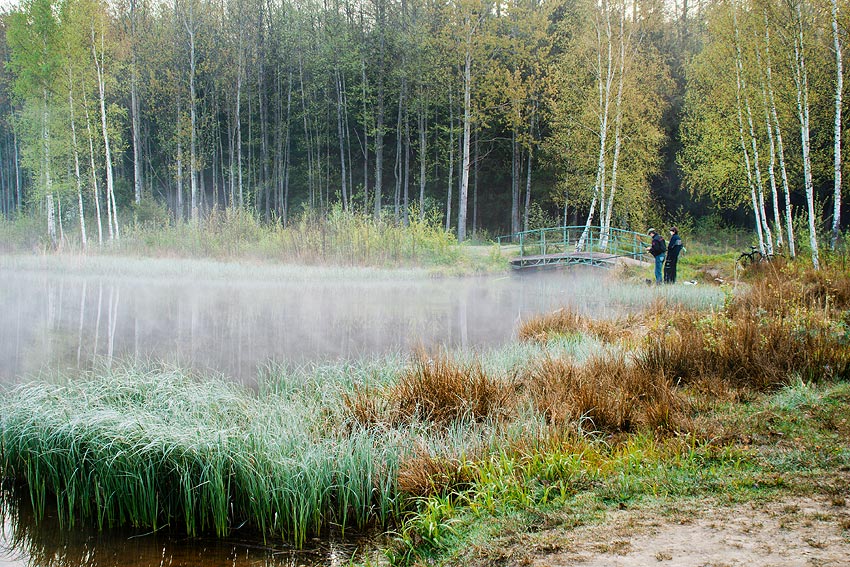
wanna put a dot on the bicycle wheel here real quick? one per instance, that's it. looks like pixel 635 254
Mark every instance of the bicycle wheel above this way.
pixel 746 259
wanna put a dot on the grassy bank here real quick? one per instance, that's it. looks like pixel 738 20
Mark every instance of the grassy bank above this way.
pixel 457 452
pixel 339 239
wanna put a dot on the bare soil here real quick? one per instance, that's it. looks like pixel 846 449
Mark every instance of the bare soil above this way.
pixel 789 532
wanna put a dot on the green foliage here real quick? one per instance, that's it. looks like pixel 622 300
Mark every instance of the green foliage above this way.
pixel 342 238
pixel 151 214
pixel 24 233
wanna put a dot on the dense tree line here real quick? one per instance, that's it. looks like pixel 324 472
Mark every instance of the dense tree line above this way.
pixel 487 112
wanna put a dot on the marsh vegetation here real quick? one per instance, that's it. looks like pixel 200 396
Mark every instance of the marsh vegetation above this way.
pixel 584 409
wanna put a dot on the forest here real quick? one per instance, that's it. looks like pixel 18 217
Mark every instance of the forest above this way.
pixel 486 117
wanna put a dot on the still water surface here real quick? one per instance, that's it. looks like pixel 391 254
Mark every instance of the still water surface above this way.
pixel 62 316
pixel 62 320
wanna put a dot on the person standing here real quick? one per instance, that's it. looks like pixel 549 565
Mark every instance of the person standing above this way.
pixel 673 249
pixel 658 249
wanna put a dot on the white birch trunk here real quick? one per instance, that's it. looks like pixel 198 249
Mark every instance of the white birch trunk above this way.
pixel 110 181
pixel 789 225
pixel 463 198
pixel 134 108
pixel 739 87
pixel 604 91
pixel 76 151
pixel 839 86
pixel 48 183
pixel 618 139
pixel 93 168
pixel 189 25
pixel 801 81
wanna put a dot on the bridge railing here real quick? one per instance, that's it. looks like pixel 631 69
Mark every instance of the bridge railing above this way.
pixel 575 239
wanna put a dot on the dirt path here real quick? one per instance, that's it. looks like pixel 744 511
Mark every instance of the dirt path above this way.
pixel 791 532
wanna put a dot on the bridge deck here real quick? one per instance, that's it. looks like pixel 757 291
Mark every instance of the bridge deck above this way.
pixel 568 245
pixel 590 258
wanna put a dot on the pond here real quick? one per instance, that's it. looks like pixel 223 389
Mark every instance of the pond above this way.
pixel 233 318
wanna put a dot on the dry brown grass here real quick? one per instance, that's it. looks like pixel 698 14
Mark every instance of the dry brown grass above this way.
pixel 542 328
pixel 424 474
pixel 612 394
pixel 441 390
pixel 789 322
pixel 434 388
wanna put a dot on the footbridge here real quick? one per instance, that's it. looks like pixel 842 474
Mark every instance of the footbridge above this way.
pixel 565 245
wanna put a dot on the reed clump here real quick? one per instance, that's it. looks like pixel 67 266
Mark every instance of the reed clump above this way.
pixel 424 473
pixel 569 322
pixel 607 394
pixel 789 323
pixel 340 237
pixel 439 389
pixel 155 447
pixel 435 389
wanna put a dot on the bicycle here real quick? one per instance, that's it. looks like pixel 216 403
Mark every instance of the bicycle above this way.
pixel 754 256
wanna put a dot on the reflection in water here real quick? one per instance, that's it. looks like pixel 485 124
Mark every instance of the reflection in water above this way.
pixel 27 543
pixel 51 321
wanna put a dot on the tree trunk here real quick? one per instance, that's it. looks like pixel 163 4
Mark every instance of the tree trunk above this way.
pixel 451 163
pixel 93 169
pixel 110 182
pixel 740 86
pixel 463 197
pixel 475 187
pixel 193 158
pixel 341 138
pixel 839 86
pixel 75 149
pixel 239 73
pixel 287 150
pixel 789 225
pixel 423 155
pixel 771 168
pixel 397 169
pixel 134 108
pixel 366 124
pixel 406 192
pixel 515 167
pixel 604 93
pixel 801 81
pixel 48 185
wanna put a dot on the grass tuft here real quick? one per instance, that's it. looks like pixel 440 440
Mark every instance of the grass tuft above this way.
pixel 440 390
pixel 608 394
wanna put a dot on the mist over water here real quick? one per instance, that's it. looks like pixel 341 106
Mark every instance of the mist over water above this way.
pixel 208 319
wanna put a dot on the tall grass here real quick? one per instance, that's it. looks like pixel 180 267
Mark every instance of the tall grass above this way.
pixel 156 447
pixel 340 238
pixel 790 323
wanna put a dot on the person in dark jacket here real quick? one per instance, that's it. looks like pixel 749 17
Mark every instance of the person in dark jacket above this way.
pixel 673 249
pixel 658 248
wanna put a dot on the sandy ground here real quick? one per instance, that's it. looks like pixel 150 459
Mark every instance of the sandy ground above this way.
pixel 791 532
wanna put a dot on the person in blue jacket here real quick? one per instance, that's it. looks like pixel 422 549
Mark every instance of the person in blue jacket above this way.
pixel 673 249
pixel 658 249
